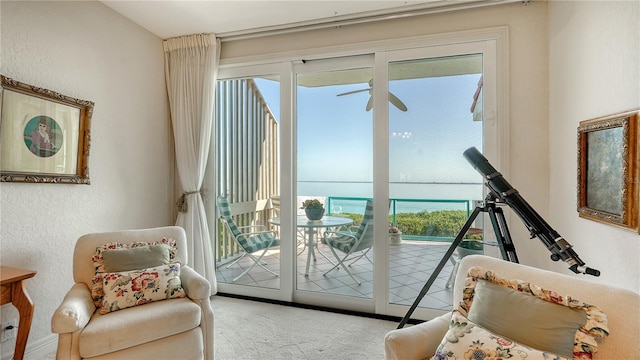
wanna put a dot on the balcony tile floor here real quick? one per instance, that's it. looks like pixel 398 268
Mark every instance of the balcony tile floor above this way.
pixel 411 263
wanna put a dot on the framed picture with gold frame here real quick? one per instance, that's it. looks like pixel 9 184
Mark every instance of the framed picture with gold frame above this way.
pixel 44 136
pixel 608 169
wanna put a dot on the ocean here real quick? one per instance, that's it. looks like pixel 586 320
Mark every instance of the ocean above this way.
pixel 423 196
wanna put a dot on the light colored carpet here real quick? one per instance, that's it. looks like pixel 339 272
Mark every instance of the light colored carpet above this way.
pixel 254 330
pixel 248 330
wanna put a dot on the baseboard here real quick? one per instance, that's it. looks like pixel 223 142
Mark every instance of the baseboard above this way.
pixel 36 350
pixel 321 308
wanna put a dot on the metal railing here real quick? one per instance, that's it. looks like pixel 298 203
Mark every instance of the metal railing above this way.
pixel 429 205
pixel 255 212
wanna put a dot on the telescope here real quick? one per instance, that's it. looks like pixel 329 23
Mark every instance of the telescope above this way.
pixel 500 191
pixel 560 249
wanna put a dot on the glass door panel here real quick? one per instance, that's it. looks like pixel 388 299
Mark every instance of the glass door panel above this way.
pixel 432 189
pixel 334 153
pixel 247 171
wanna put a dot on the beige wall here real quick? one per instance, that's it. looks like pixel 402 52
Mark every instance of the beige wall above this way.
pixel 594 70
pixel 87 51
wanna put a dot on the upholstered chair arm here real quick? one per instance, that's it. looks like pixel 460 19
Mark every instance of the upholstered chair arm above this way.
pixel 74 312
pixel 416 342
pixel 194 284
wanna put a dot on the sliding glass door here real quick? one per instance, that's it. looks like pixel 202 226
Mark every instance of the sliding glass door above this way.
pixel 377 139
pixel 431 186
pixel 334 165
pixel 245 167
pixel 432 189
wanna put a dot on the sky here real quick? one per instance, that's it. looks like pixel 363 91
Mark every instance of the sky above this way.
pixel 335 133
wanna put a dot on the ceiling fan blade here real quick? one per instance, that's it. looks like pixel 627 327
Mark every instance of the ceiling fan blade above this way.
pixel 397 102
pixel 392 98
pixel 370 103
pixel 352 92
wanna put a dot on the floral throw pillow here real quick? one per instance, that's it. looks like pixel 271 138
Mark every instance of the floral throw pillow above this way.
pixel 137 287
pixel 98 263
pixel 466 340
pixel 586 337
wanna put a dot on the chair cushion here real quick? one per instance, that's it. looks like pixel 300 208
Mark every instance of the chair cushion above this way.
pixel 341 240
pixel 467 340
pixel 137 325
pixel 187 345
pixel 98 263
pixel 257 241
pixel 135 258
pixel 533 316
pixel 138 287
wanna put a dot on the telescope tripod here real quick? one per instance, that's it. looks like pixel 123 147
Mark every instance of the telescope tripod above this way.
pixel 499 224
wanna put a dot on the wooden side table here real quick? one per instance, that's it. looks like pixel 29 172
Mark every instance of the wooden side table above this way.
pixel 13 291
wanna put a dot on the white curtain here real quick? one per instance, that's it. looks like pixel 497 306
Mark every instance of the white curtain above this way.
pixel 191 69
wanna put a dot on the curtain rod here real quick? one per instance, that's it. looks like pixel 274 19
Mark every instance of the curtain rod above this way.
pixel 362 18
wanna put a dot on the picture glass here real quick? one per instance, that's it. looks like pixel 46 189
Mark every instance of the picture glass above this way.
pixel 38 136
pixel 604 175
pixel 608 169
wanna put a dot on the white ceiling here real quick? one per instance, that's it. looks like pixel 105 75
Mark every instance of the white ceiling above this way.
pixel 171 18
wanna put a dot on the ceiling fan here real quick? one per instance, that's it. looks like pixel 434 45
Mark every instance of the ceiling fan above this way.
pixel 394 100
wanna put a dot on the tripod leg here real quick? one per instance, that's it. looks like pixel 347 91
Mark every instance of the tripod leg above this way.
pixel 440 265
pixel 507 248
pixel 498 231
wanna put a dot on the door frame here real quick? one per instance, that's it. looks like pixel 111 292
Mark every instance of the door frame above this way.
pixel 381 148
pixel 494 42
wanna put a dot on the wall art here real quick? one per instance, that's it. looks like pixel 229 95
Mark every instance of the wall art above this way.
pixel 608 169
pixel 44 136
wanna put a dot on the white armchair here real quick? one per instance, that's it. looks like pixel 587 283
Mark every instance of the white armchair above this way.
pixel 620 306
pixel 179 328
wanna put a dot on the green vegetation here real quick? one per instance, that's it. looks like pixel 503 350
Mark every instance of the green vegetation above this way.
pixel 443 223
pixel 437 224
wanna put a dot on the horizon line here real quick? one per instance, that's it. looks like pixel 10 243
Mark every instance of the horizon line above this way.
pixel 393 182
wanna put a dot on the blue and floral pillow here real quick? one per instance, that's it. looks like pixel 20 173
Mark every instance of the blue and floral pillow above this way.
pixel 531 315
pixel 137 287
pixel 466 340
pixel 98 263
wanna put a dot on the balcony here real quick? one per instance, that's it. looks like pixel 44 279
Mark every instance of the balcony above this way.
pixel 411 262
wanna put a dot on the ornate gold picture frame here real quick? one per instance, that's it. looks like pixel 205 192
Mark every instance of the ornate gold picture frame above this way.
pixel 608 169
pixel 44 136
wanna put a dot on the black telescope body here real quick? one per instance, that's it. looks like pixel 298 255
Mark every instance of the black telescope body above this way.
pixel 560 249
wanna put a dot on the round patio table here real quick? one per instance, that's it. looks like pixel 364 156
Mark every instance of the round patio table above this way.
pixel 310 227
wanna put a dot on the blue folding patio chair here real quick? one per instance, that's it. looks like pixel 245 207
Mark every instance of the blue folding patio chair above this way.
pixel 352 242
pixel 250 242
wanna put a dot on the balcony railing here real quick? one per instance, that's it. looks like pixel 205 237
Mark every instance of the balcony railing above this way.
pixel 257 212
pixel 337 204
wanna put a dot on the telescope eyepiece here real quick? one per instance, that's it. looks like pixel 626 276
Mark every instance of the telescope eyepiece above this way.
pixel 584 270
